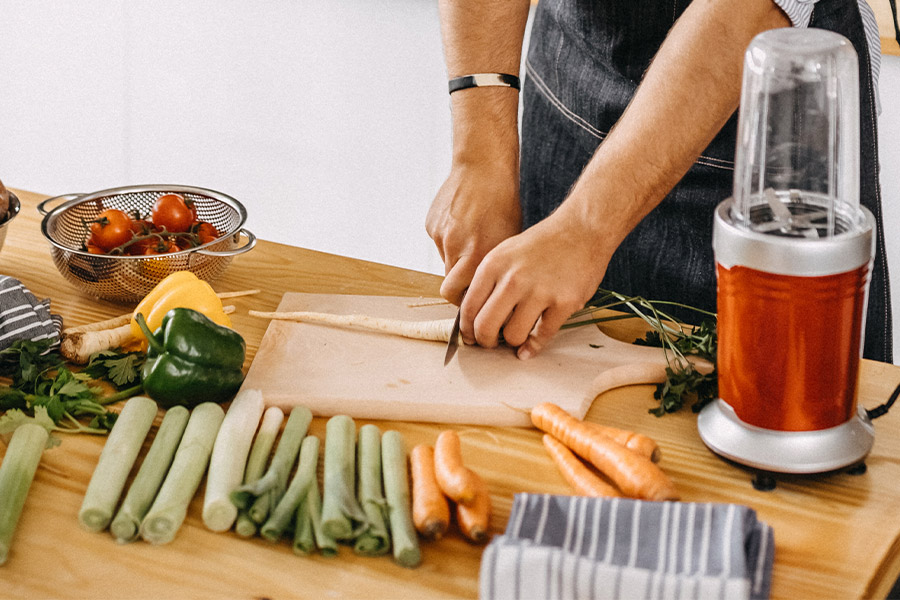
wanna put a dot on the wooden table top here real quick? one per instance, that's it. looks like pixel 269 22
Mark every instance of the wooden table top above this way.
pixel 836 535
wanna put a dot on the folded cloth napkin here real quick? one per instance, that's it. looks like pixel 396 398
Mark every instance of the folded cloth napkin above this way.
pixel 579 547
pixel 24 317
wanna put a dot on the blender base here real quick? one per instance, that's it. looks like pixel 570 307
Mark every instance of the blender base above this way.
pixel 799 452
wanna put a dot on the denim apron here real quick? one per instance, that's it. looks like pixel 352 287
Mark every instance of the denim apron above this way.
pixel 585 60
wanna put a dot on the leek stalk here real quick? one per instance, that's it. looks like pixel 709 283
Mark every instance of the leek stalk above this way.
pixel 16 474
pixel 342 517
pixel 280 517
pixel 229 459
pixel 257 462
pixel 262 495
pixel 143 489
pixel 169 509
pixel 115 463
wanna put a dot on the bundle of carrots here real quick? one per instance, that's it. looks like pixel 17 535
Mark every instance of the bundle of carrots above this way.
pixel 439 479
pixel 626 458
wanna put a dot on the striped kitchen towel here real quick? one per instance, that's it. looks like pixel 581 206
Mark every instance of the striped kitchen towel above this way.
pixel 24 317
pixel 558 547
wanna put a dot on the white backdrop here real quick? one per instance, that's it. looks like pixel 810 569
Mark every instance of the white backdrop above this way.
pixel 328 119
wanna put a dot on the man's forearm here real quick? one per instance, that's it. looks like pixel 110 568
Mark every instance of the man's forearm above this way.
pixel 690 90
pixel 483 37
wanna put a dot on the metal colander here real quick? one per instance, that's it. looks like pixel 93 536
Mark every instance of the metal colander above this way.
pixel 128 279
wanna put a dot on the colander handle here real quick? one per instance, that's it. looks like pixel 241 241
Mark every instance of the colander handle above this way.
pixel 251 241
pixel 42 207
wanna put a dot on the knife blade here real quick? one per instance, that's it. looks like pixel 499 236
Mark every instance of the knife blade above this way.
pixel 453 343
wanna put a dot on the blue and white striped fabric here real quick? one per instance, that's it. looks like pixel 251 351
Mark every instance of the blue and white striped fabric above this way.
pixel 24 317
pixel 559 547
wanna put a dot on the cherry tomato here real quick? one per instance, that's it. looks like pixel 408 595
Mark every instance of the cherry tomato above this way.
pixel 172 213
pixel 161 246
pixel 111 228
pixel 207 232
pixel 142 227
pixel 94 249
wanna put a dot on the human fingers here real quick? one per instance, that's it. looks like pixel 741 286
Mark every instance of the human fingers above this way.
pixel 546 327
pixel 458 278
pixel 486 309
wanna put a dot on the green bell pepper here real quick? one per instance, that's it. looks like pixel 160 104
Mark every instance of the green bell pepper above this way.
pixel 191 360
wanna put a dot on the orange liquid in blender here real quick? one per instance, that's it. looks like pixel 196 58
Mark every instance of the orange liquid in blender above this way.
pixel 789 346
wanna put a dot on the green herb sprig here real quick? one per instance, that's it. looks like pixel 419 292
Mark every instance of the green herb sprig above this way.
pixel 684 383
pixel 45 390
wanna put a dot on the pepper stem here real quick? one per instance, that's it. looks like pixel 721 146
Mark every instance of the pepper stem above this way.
pixel 151 339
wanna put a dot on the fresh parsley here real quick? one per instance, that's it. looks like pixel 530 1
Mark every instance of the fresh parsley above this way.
pixel 684 383
pixel 120 368
pixel 44 388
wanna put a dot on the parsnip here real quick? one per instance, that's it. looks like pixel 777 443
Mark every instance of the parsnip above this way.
pixel 437 330
pixel 78 344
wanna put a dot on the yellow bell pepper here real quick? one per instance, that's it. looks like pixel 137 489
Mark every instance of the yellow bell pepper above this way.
pixel 181 289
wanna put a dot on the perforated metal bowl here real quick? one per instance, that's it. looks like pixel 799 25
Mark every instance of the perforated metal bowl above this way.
pixel 11 213
pixel 127 279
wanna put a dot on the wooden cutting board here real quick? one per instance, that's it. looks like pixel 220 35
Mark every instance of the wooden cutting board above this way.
pixel 368 375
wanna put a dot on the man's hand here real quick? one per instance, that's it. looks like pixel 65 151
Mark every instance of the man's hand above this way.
pixel 475 209
pixel 531 283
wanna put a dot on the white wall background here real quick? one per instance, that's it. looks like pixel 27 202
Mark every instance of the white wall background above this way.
pixel 328 119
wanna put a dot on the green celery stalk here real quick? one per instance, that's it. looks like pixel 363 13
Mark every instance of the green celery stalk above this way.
pixel 262 495
pixel 16 474
pixel 257 461
pixel 280 517
pixel 169 509
pixel 229 459
pixel 115 463
pixel 375 540
pixel 342 517
pixel 143 489
pixel 396 490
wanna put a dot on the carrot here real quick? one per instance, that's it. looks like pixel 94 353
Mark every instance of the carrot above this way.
pixel 431 513
pixel 437 330
pixel 635 475
pixel 636 442
pixel 458 482
pixel 474 519
pixel 585 482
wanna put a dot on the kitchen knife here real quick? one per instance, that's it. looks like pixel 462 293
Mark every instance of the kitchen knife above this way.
pixel 453 344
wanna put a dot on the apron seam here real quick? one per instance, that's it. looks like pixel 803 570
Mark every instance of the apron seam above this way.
pixel 542 87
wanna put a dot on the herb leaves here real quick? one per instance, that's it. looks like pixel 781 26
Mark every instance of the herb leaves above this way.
pixel 46 390
pixel 684 382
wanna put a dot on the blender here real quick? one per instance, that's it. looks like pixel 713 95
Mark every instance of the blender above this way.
pixel 793 251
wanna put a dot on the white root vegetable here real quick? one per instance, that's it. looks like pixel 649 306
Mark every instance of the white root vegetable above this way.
pixel 437 330
pixel 78 344
pixel 100 325
pixel 229 458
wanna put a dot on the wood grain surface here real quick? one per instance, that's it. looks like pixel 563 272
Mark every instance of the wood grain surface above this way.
pixel 379 376
pixel 837 535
